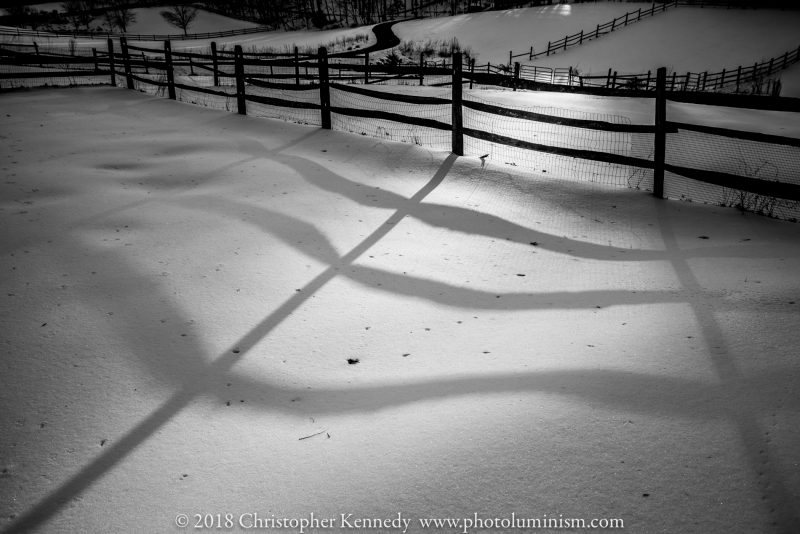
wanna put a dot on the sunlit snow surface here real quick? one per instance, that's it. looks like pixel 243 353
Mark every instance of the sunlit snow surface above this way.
pixel 183 288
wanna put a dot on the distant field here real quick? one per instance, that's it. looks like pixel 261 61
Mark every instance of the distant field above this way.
pixel 681 39
pixel 686 39
pixel 494 33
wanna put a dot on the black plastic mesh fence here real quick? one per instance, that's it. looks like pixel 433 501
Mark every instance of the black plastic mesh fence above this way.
pixel 555 135
pixel 54 60
pixel 56 79
pixel 424 118
pixel 208 100
pixel 386 128
pixel 740 157
pixel 308 95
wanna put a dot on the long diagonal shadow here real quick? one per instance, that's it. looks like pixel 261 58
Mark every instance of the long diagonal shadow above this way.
pixel 45 509
pixel 773 489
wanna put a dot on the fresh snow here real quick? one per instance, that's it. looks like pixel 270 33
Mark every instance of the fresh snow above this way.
pixel 161 260
pixel 183 288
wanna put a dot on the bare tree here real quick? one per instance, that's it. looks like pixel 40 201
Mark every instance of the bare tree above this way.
pixel 79 12
pixel 180 16
pixel 25 16
pixel 123 14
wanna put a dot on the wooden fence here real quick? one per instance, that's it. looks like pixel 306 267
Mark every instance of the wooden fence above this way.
pixel 132 36
pixel 316 72
pixel 602 29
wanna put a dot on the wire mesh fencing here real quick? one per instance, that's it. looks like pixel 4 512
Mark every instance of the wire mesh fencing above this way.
pixel 418 120
pixel 770 162
pixel 552 134
pixel 754 172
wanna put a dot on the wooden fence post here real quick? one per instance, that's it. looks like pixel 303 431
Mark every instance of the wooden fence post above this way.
pixel 170 73
pixel 36 47
pixel 366 66
pixel 639 16
pixel 614 82
pixel 597 32
pixel 579 42
pixel 626 19
pixel 238 68
pixel 516 75
pixel 530 56
pixel 472 71
pixel 215 63
pixel 608 79
pixel 296 66
pixel 660 148
pixel 421 67
pixel 548 50
pixel 458 127
pixel 126 61
pixel 111 66
pixel 324 88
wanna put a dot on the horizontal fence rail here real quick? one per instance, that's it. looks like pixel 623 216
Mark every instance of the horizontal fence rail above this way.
pixel 752 171
pixel 758 78
pixel 134 36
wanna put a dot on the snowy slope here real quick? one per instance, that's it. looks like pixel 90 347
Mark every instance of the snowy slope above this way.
pixel 687 39
pixel 493 33
pixel 182 289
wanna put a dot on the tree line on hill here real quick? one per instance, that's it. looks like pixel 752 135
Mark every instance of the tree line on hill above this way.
pixel 119 15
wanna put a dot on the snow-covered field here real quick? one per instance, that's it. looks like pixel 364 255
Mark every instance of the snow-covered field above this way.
pixel 683 39
pixel 184 288
pixel 492 34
